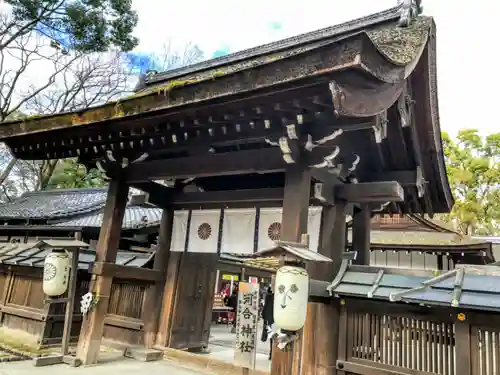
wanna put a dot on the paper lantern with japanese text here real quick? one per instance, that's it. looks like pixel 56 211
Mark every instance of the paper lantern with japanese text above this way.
pixel 290 298
pixel 56 271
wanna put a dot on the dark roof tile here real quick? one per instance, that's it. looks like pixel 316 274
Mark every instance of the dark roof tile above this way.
pixel 33 256
pixel 479 289
pixel 135 217
pixel 53 204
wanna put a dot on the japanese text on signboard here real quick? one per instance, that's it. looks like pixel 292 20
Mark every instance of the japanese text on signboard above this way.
pixel 246 325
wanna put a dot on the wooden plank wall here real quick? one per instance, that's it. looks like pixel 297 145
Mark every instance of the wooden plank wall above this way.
pixel 126 316
pixel 384 337
pixel 22 308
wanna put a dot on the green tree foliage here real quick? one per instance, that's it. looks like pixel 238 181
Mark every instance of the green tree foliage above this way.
pixel 473 165
pixel 70 174
pixel 81 25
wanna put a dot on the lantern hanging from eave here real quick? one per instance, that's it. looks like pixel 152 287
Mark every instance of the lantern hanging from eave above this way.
pixel 56 271
pixel 290 298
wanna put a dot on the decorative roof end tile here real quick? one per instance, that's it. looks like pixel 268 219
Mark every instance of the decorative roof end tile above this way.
pixel 409 10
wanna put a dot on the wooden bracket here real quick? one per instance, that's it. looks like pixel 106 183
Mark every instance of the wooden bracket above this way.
pixel 420 182
pixel 380 127
pixel 370 192
pixel 338 97
pixel 323 192
pixel 405 104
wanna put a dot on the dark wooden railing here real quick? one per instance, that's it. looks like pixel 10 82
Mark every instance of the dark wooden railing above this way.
pixel 386 338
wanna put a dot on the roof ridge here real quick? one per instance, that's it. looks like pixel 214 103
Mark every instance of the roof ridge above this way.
pixel 431 224
pixel 65 191
pixel 293 41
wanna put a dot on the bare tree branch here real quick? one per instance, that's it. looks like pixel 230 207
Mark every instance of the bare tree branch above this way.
pixel 38 77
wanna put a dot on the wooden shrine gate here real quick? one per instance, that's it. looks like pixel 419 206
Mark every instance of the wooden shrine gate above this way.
pixel 344 117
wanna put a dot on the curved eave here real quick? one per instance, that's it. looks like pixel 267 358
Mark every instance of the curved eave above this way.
pixel 424 80
pixel 448 196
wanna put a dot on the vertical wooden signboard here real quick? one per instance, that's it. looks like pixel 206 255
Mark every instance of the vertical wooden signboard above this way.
pixel 246 325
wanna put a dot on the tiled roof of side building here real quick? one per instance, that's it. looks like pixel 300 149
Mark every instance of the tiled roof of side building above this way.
pixel 33 255
pixel 75 208
pixel 135 217
pixel 477 287
pixel 54 204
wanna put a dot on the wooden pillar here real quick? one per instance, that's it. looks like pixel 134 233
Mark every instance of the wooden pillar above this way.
pixel 361 234
pixel 168 300
pixel 295 202
pixel 154 296
pixel 440 262
pixel 109 238
pixel 319 353
pixel 293 225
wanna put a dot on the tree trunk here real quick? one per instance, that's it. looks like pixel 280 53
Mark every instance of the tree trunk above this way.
pixel 47 171
pixel 5 174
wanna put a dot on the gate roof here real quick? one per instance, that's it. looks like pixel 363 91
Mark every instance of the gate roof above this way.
pixel 364 91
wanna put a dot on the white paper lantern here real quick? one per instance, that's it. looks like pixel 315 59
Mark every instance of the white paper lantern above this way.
pixel 56 273
pixel 290 298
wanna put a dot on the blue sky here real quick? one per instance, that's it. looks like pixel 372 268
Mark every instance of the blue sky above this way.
pixel 465 38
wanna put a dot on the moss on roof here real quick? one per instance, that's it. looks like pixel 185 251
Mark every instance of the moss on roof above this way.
pixel 401 45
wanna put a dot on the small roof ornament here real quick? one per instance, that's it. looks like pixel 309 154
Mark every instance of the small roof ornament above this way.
pixel 409 10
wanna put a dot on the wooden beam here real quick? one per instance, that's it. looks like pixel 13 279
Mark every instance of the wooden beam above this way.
pixel 405 177
pixel 124 272
pixel 323 175
pixel 361 222
pixel 169 298
pixel 370 192
pixel 231 163
pixel 89 343
pixel 162 196
pixel 296 197
pixel 154 295
pixel 157 194
pixel 317 289
pixel 70 304
pixel 24 313
pixel 123 322
pixel 229 196
pixel 331 242
pixel 326 192
pixel 324 187
pixel 323 193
